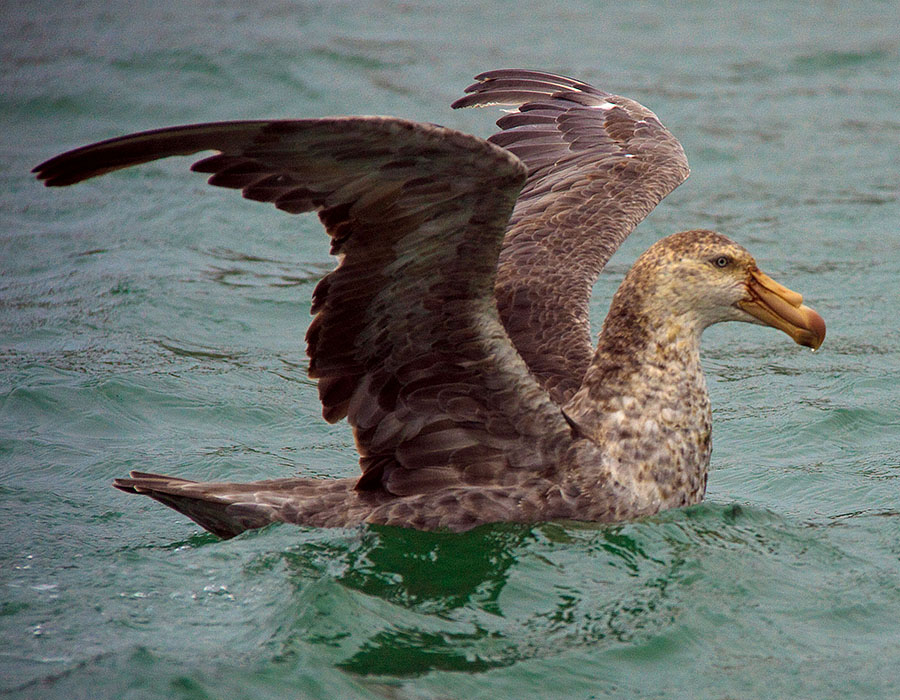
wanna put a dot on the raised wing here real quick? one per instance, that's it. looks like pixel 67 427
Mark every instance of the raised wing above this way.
pixel 597 165
pixel 406 341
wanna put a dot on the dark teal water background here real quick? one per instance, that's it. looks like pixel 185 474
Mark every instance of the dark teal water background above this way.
pixel 150 322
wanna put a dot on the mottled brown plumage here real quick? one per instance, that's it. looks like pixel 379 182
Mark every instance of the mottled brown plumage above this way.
pixel 463 414
pixel 597 165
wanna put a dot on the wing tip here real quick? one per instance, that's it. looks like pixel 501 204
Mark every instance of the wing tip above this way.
pixel 50 176
pixel 140 482
pixel 520 86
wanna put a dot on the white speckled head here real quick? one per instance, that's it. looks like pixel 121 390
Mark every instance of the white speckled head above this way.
pixel 702 277
pixel 697 275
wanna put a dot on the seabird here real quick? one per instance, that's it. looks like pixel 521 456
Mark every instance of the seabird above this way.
pixel 453 335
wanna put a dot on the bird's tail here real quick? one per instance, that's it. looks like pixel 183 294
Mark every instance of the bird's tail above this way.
pixel 218 507
pixel 227 509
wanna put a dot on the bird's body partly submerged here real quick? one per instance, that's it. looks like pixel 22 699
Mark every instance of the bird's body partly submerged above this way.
pixel 454 336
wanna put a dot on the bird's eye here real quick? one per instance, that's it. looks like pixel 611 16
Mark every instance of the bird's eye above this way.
pixel 721 261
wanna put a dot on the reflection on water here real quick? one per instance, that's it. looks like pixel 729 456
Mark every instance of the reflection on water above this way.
pixel 436 573
pixel 401 603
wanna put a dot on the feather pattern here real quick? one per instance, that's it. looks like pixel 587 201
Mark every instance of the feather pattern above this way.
pixel 453 333
pixel 597 164
pixel 406 342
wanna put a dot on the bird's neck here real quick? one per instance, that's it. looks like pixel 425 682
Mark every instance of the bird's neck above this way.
pixel 644 402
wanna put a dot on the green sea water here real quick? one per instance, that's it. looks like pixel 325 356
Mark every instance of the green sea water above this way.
pixel 148 321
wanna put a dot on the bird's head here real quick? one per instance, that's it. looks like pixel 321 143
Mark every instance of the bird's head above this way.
pixel 706 278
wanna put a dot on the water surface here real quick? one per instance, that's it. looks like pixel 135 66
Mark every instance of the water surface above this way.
pixel 150 322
